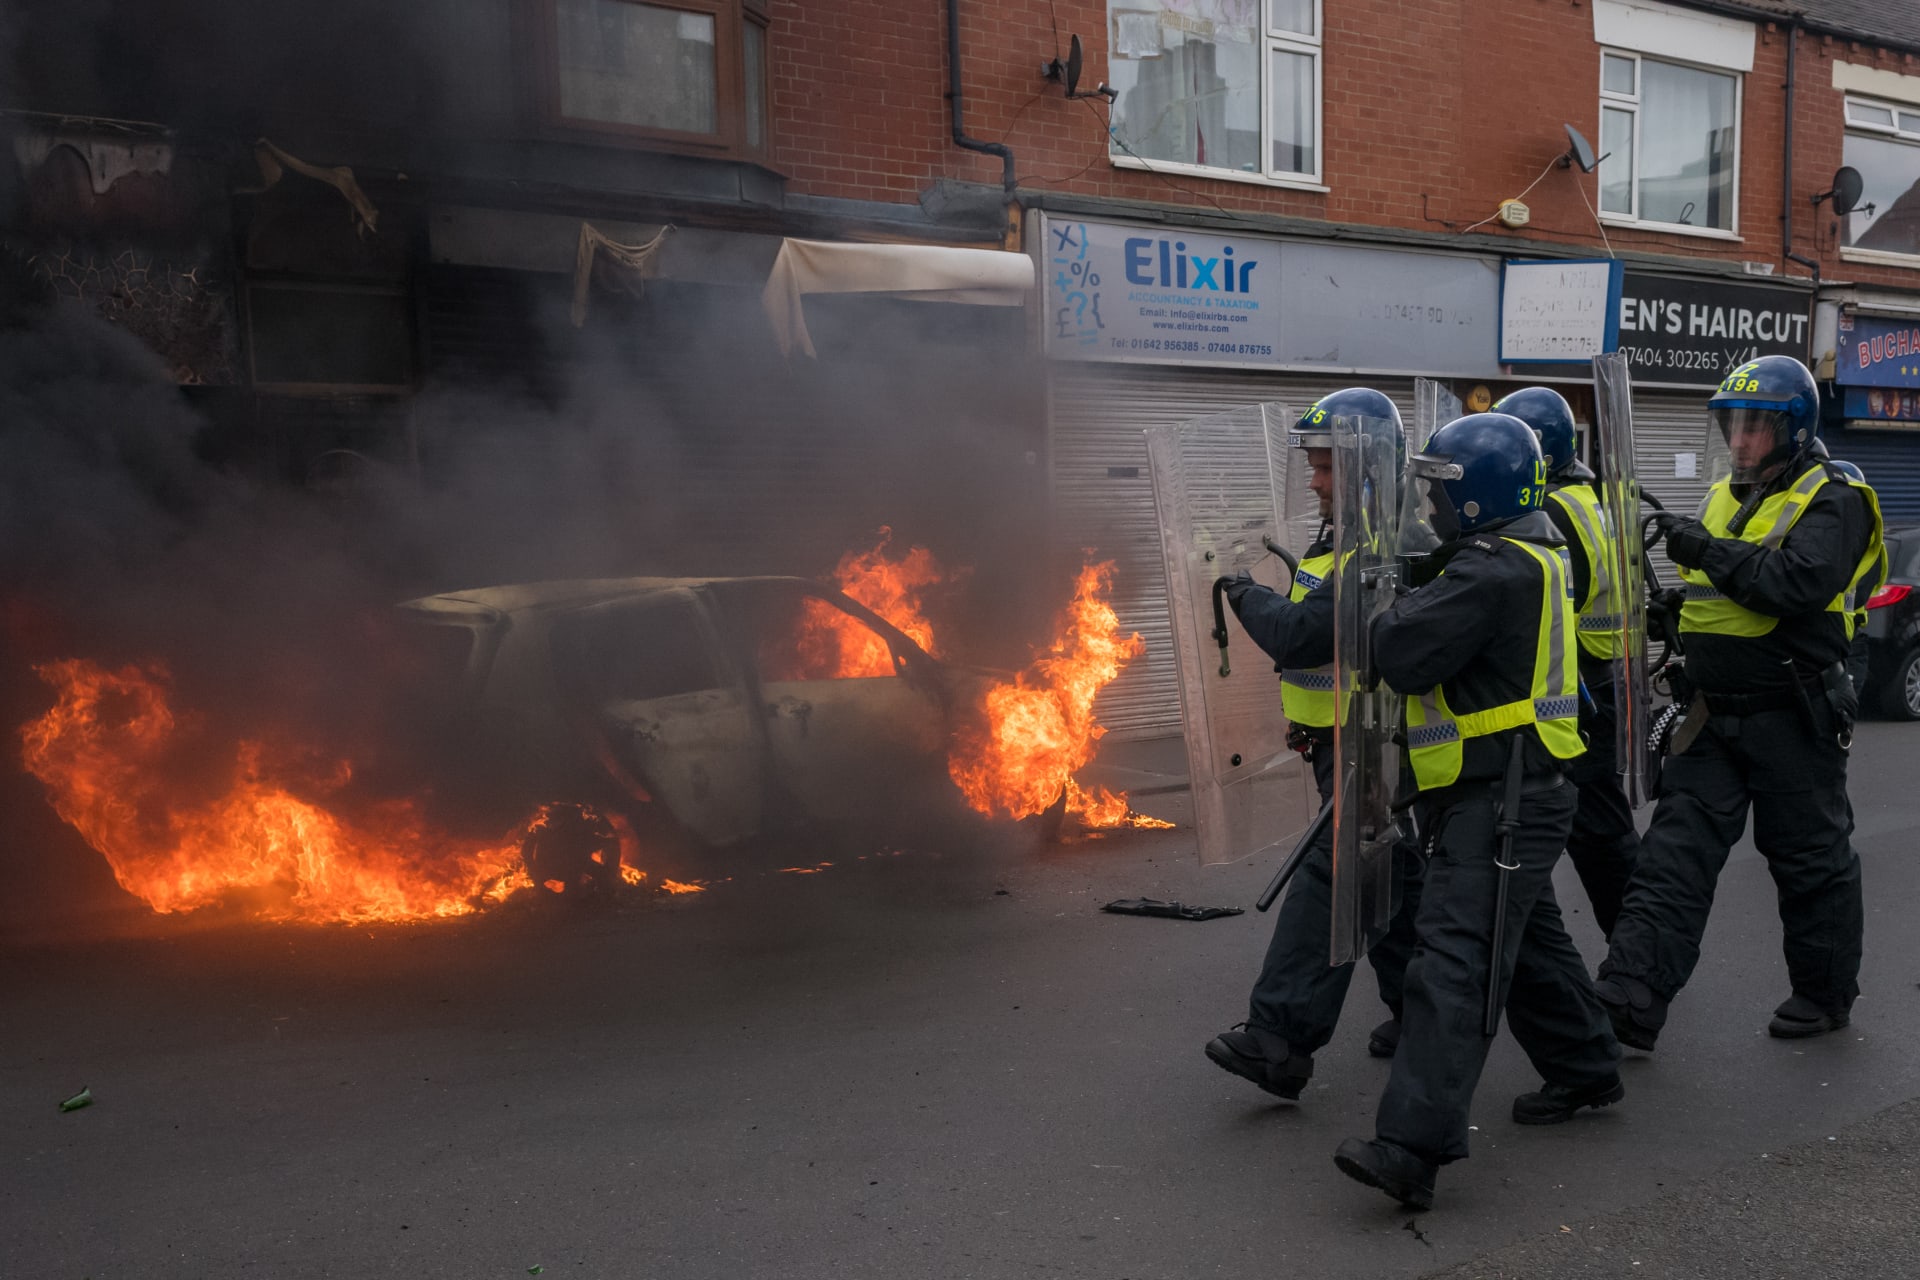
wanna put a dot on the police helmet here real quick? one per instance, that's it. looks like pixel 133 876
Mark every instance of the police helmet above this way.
pixel 1849 470
pixel 1551 417
pixel 1774 396
pixel 1314 430
pixel 1481 470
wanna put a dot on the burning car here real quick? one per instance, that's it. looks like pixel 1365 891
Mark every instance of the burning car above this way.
pixel 708 710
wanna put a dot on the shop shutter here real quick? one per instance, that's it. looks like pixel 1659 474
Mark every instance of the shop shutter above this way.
pixel 1891 460
pixel 1102 498
pixel 1666 426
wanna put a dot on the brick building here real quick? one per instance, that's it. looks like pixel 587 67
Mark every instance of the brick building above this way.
pixel 1276 197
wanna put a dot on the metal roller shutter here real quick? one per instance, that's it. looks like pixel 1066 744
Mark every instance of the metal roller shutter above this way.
pixel 1664 427
pixel 1891 460
pixel 1102 498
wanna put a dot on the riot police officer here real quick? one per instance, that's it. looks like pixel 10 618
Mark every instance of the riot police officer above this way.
pixel 1859 657
pixel 1297 998
pixel 1484 654
pixel 1770 566
pixel 1603 842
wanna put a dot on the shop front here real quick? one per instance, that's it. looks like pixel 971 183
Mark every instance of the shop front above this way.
pixel 1148 324
pixel 1873 416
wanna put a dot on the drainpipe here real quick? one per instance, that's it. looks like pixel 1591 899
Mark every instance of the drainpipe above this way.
pixel 1786 167
pixel 960 137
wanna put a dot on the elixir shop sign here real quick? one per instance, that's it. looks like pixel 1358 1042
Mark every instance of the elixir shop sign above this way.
pixel 1154 295
pixel 1117 292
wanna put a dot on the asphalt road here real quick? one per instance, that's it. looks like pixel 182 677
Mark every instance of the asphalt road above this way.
pixel 938 1062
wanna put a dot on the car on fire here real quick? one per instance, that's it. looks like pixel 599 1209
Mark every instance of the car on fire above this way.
pixel 700 711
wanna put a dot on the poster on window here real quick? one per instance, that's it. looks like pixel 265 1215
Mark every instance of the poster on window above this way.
pixel 1872 352
pixel 1559 311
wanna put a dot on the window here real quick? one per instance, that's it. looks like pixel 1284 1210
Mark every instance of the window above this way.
pixel 688 72
pixel 1670 136
pixel 1218 85
pixel 1883 143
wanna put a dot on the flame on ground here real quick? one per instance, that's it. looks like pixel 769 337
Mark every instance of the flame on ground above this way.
pixel 102 752
pixel 1040 729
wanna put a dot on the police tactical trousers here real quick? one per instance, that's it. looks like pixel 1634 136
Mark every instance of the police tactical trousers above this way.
pixel 1550 1003
pixel 1604 843
pixel 1298 995
pixel 1796 783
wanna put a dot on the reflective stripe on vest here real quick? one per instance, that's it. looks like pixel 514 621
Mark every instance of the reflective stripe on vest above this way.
pixel 1707 608
pixel 1600 611
pixel 1306 694
pixel 1436 734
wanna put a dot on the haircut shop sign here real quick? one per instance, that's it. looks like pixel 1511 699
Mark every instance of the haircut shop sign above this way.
pixel 1693 332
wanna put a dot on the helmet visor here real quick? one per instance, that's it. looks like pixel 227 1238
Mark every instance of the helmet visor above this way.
pixel 1747 444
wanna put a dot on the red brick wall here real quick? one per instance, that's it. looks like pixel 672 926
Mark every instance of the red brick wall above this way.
pixel 1434 113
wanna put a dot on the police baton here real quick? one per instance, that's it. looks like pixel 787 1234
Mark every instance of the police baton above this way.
pixel 1506 820
pixel 1294 859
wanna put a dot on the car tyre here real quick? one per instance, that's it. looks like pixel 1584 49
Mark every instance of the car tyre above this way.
pixel 1900 695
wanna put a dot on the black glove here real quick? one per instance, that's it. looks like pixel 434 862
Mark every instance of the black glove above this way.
pixel 1687 541
pixel 1237 587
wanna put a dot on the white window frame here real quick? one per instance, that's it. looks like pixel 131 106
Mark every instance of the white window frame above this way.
pixel 1881 257
pixel 1631 103
pixel 1273 40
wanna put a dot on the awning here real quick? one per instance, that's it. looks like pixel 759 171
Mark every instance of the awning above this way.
pixel 914 272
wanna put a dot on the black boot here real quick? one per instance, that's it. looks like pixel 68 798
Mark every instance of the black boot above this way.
pixel 1384 1039
pixel 1255 1054
pixel 1798 1017
pixel 1395 1170
pixel 1556 1103
pixel 1637 1014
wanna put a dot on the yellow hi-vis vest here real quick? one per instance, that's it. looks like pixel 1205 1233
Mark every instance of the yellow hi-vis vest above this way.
pixel 1306 694
pixel 1599 626
pixel 1709 611
pixel 1436 735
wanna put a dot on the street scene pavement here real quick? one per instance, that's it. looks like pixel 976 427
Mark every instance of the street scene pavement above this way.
pixel 936 1059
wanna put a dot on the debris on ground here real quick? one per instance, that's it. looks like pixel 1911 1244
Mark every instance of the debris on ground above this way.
pixel 1167 910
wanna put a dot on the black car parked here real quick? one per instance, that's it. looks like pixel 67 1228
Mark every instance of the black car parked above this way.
pixel 1893 630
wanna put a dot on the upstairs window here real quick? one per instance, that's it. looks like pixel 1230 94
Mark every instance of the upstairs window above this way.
pixel 691 73
pixel 1670 135
pixel 1883 143
pixel 1218 87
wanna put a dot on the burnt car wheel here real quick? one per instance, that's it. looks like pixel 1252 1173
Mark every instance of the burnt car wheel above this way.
pixel 1900 695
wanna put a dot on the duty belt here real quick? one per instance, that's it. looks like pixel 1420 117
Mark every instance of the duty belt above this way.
pixel 1752 704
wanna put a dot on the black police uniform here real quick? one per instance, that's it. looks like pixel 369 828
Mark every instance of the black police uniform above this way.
pixel 1604 841
pixel 1476 629
pixel 1770 740
pixel 1298 995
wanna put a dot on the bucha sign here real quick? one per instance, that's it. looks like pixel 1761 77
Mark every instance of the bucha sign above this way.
pixel 1118 292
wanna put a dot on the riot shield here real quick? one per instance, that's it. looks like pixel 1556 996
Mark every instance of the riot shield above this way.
pixel 1367 464
pixel 1620 500
pixel 1219 488
pixel 1433 407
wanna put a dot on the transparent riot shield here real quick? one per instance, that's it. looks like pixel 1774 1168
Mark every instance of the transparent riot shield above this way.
pixel 1367 465
pixel 1219 488
pixel 1620 500
pixel 1433 407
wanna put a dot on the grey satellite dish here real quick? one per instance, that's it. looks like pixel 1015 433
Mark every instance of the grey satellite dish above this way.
pixel 1847 189
pixel 1579 151
pixel 1076 58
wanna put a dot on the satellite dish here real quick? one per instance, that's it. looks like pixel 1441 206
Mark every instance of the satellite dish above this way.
pixel 1847 189
pixel 1075 58
pixel 1579 151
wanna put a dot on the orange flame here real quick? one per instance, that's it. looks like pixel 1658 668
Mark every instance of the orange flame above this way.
pixel 103 752
pixel 1040 729
pixel 832 645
